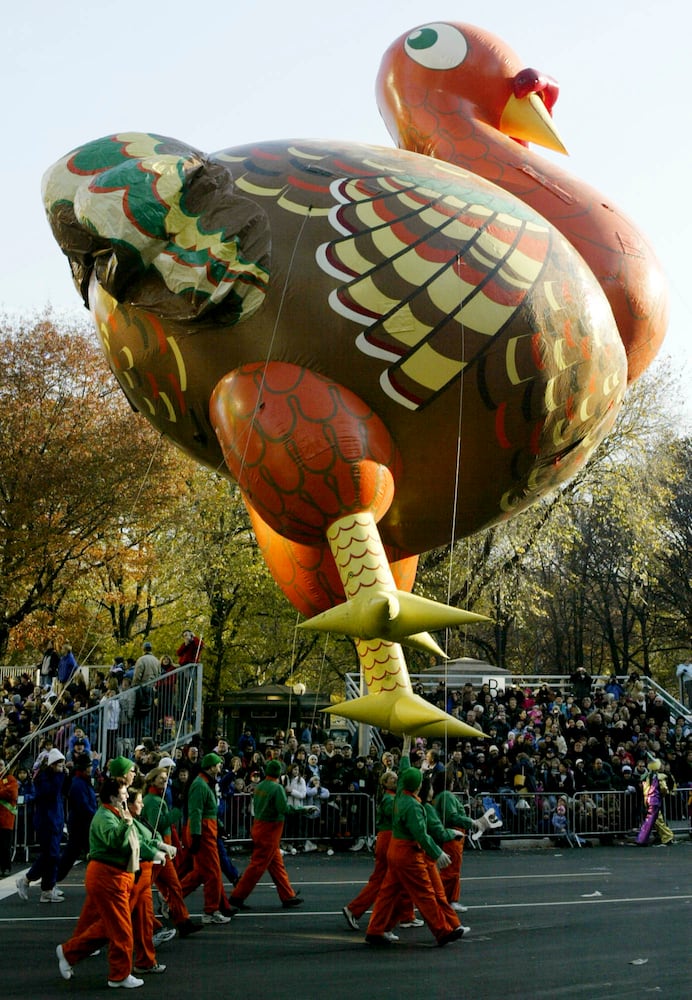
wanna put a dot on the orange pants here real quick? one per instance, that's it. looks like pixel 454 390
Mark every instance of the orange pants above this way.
pixel 452 873
pixel 143 918
pixel 167 882
pixel 403 909
pixel 266 857
pixel 408 869
pixel 206 869
pixel 105 915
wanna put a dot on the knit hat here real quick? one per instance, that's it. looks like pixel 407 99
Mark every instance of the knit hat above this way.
pixel 147 647
pixel 211 760
pixel 411 779
pixel 120 766
pixel 273 768
pixel 55 756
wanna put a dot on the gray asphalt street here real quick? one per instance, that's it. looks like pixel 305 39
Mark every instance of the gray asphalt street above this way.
pixel 608 923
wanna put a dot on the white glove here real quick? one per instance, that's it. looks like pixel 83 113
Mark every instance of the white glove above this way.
pixel 458 834
pixel 159 858
pixel 167 849
pixel 443 861
pixel 406 747
pixel 488 821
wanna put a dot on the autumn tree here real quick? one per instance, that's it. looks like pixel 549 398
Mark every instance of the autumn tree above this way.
pixel 71 466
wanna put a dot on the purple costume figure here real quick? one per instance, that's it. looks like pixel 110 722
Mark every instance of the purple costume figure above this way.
pixel 653 788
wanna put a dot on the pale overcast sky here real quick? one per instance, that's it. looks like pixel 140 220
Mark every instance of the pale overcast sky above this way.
pixel 218 75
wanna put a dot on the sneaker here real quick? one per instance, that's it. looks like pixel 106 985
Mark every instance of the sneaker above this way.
pixel 187 928
pixel 152 968
pixel 458 907
pixel 66 970
pixel 58 892
pixel 51 896
pixel 129 983
pixel 309 846
pixel 215 918
pixel 165 934
pixel 22 884
pixel 391 936
pixel 350 919
pixel 378 940
pixel 416 922
pixel 454 935
pixel 293 901
pixel 359 845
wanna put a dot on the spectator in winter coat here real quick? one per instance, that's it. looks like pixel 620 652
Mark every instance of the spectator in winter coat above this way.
pixel 190 650
pixel 67 667
pixel 9 791
pixel 82 804
pixel 49 819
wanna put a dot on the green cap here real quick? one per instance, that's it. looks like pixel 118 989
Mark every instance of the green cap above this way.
pixel 211 760
pixel 273 768
pixel 120 766
pixel 411 779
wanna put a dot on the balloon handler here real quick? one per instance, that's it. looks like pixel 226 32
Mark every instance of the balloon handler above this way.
pixel 654 788
pixel 270 807
pixel 452 815
pixel 201 838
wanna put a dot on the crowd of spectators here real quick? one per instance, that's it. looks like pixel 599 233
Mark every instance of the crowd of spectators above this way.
pixel 543 750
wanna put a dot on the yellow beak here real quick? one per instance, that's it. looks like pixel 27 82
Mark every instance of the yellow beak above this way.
pixel 527 118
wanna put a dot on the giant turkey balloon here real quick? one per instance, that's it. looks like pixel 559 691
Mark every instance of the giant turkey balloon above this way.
pixel 381 347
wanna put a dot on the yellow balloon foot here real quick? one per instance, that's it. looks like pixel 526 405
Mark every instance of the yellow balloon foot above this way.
pixel 404 713
pixel 392 615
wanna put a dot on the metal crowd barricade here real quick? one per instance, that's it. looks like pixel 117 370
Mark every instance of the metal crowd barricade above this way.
pixel 677 810
pixel 173 716
pixel 344 818
pixel 24 836
pixel 604 815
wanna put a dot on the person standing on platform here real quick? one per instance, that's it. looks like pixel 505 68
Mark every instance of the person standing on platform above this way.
pixel 270 808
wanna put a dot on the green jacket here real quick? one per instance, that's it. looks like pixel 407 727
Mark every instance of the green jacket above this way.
pixel 439 833
pixel 385 812
pixel 269 801
pixel 201 803
pixel 157 814
pixel 108 839
pixel 410 823
pixel 451 811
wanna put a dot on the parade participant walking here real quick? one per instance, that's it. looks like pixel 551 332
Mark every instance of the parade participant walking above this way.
pixel 383 824
pixel 115 850
pixel 9 793
pixel 142 905
pixel 160 819
pixel 271 808
pixel 444 837
pixel 452 815
pixel 201 833
pixel 654 786
pixel 49 819
pixel 407 870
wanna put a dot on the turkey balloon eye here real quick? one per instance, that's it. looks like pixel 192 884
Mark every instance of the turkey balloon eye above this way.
pixel 437 46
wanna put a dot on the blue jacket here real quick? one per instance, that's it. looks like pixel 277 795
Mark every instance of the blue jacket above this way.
pixel 82 802
pixel 49 812
pixel 66 667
